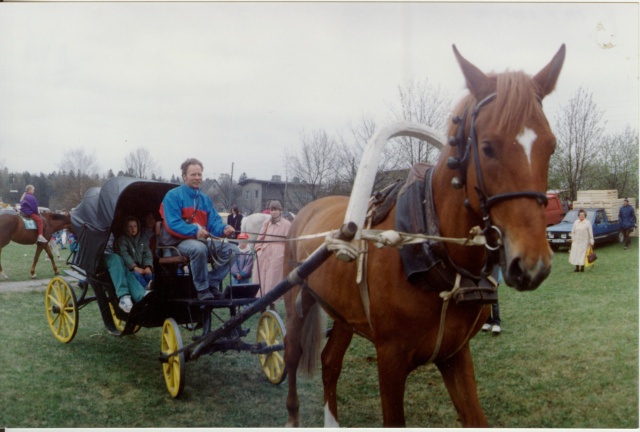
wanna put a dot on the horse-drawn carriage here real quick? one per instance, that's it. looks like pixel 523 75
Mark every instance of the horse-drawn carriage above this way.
pixel 481 206
pixel 172 303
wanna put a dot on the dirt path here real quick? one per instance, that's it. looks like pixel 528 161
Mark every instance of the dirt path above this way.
pixel 23 286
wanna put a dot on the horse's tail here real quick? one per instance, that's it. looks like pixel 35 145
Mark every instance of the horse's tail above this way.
pixel 313 335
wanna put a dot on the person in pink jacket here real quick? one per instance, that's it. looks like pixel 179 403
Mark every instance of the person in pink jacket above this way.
pixel 270 255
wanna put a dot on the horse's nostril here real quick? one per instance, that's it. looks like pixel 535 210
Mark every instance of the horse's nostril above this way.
pixel 516 274
pixel 523 278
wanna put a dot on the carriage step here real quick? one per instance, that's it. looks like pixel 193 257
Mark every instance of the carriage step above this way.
pixel 76 275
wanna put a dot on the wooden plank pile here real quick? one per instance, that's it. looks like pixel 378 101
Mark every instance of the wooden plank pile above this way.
pixel 607 199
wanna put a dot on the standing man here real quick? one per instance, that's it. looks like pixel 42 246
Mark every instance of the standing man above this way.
pixel 188 215
pixel 627 218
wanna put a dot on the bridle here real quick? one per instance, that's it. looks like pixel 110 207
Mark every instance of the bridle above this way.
pixel 464 149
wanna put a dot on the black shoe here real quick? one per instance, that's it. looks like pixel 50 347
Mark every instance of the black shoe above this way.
pixel 217 294
pixel 582 269
pixel 205 295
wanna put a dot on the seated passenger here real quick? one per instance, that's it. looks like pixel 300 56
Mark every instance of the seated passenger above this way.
pixel 135 252
pixel 127 286
pixel 243 262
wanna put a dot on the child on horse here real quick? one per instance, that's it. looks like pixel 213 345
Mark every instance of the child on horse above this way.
pixel 29 208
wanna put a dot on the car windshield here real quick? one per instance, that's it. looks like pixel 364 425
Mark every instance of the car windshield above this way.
pixel 572 216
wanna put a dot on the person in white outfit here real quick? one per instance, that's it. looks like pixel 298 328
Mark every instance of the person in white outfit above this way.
pixel 581 239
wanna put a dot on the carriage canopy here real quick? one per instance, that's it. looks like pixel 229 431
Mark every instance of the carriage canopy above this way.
pixel 103 210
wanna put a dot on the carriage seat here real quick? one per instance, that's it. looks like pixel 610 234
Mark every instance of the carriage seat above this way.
pixel 175 258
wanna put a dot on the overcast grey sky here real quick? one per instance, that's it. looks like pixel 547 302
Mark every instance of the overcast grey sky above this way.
pixel 240 82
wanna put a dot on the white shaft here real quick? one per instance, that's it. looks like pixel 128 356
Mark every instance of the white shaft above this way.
pixel 363 185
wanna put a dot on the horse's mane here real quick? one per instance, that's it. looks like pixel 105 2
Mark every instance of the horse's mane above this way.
pixel 58 216
pixel 516 101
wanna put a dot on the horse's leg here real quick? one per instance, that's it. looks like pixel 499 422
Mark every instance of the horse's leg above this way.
pixel 305 335
pixel 332 357
pixel 392 379
pixel 2 273
pixel 459 377
pixel 293 354
pixel 36 257
pixel 47 249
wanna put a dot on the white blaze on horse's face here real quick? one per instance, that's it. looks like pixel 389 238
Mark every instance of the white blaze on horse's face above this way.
pixel 526 140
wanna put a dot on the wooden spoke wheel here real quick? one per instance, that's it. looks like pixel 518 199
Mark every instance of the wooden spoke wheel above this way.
pixel 173 368
pixel 62 309
pixel 271 331
pixel 120 324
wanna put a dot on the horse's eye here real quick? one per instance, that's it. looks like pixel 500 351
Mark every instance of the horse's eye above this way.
pixel 488 150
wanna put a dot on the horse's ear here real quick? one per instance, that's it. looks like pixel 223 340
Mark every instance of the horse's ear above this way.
pixel 546 79
pixel 477 82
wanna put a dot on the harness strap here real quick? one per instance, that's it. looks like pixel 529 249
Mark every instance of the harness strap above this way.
pixel 446 296
pixel 361 277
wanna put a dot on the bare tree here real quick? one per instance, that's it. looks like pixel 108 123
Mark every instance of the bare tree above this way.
pixel 78 173
pixel 617 163
pixel 313 167
pixel 349 153
pixel 139 163
pixel 578 133
pixel 423 103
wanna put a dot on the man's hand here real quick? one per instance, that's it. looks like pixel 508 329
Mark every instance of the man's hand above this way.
pixel 228 230
pixel 202 234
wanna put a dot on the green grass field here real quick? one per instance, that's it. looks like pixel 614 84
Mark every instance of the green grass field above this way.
pixel 567 358
pixel 17 260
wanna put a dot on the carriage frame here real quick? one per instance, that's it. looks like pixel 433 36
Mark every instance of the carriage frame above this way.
pixel 173 301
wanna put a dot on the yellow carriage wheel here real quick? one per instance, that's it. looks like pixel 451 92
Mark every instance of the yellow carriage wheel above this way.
pixel 62 309
pixel 271 331
pixel 173 368
pixel 120 324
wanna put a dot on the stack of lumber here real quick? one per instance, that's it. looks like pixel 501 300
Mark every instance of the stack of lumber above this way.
pixel 607 199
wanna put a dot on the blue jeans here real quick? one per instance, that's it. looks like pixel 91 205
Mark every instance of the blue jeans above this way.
pixel 144 279
pixel 198 252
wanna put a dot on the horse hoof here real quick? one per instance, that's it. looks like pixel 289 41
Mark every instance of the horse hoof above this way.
pixel 3 276
pixel 33 276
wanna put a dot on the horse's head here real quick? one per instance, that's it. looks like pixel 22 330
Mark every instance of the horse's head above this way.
pixel 501 144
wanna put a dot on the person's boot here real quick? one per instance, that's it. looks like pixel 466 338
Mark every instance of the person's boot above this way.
pixel 582 269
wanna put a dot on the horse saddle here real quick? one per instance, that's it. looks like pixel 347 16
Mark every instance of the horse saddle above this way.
pixel 29 223
pixel 427 264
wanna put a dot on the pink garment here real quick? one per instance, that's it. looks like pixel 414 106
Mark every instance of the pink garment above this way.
pixel 268 267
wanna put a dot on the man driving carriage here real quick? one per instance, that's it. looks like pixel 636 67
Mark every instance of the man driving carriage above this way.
pixel 189 221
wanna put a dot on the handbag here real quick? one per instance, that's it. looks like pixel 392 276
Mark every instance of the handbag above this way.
pixel 591 256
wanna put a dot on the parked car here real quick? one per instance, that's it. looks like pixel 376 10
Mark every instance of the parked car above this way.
pixel 554 211
pixel 604 230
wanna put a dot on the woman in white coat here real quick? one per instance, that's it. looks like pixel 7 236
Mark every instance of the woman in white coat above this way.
pixel 581 239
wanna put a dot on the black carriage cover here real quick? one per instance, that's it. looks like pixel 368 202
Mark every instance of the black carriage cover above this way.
pixel 103 210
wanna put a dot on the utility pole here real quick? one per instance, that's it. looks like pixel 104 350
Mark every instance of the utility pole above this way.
pixel 231 191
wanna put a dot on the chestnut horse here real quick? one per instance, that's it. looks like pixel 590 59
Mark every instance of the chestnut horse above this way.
pixel 492 176
pixel 12 229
